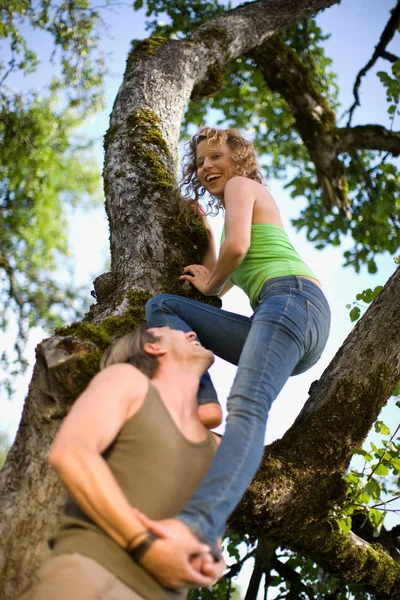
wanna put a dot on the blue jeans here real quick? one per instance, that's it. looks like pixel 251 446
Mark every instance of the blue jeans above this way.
pixel 285 336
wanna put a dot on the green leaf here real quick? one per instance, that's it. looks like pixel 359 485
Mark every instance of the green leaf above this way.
pixel 380 427
pixel 360 451
pixel 381 469
pixel 373 489
pixel 376 519
pixel 355 314
pixel 344 525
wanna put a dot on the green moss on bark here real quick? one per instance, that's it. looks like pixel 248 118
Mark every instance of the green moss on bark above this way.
pixel 147 47
pixel 146 143
pixel 363 564
pixel 101 336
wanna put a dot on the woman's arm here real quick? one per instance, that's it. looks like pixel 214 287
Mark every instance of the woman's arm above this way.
pixel 239 199
pixel 228 286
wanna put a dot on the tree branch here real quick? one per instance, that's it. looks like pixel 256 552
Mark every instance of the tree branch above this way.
pixel 263 561
pixel 389 56
pixel 315 121
pixel 295 581
pixel 368 137
pixel 380 49
pixel 285 73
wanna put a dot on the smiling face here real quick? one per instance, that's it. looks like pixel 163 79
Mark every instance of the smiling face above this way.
pixel 214 167
pixel 183 346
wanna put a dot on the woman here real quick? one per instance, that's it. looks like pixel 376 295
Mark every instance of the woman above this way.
pixel 285 336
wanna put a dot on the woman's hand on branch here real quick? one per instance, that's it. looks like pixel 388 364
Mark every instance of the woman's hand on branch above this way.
pixel 199 276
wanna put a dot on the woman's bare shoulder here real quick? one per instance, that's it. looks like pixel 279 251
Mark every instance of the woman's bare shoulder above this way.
pixel 238 180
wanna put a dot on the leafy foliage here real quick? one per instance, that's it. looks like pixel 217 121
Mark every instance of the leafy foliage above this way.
pixel 75 29
pixel 373 487
pixel 45 168
pixel 296 576
pixel 42 171
pixel 287 575
pixel 362 300
pixel 374 223
pixel 392 84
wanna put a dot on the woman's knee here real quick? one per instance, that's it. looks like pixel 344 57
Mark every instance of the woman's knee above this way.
pixel 154 304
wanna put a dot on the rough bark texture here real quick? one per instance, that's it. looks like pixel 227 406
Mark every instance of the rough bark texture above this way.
pixel 294 489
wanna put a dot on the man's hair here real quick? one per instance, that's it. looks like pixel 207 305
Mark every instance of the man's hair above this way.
pixel 130 349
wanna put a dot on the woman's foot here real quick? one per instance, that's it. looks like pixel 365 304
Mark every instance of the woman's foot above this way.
pixel 210 414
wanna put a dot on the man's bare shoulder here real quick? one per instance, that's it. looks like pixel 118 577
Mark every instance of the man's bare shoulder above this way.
pixel 123 380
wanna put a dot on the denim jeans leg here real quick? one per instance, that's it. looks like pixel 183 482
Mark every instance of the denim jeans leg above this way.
pixel 276 343
pixel 220 331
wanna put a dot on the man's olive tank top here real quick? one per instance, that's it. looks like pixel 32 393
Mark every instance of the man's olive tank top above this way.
pixel 158 469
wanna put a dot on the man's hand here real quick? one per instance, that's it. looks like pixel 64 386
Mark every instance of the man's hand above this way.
pixel 180 560
pixel 170 562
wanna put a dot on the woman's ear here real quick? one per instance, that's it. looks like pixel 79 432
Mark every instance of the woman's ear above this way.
pixel 154 348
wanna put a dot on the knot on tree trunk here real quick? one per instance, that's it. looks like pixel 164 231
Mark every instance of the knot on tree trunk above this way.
pixel 68 363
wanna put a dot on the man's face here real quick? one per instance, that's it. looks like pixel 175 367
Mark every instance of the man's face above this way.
pixel 182 345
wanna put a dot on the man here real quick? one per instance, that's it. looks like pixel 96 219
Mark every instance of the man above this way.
pixel 131 442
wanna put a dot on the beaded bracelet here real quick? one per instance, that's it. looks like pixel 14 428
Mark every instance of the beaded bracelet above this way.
pixel 138 551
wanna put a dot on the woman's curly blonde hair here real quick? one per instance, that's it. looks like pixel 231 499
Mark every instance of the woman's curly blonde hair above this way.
pixel 243 156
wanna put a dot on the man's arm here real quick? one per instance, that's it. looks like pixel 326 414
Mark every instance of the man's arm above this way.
pixel 91 426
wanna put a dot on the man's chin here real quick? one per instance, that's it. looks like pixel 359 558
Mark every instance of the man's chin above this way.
pixel 211 359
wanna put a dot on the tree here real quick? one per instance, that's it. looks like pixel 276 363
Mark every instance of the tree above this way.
pixel 300 482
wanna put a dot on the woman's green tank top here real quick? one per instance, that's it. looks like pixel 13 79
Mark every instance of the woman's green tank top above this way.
pixel 270 255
